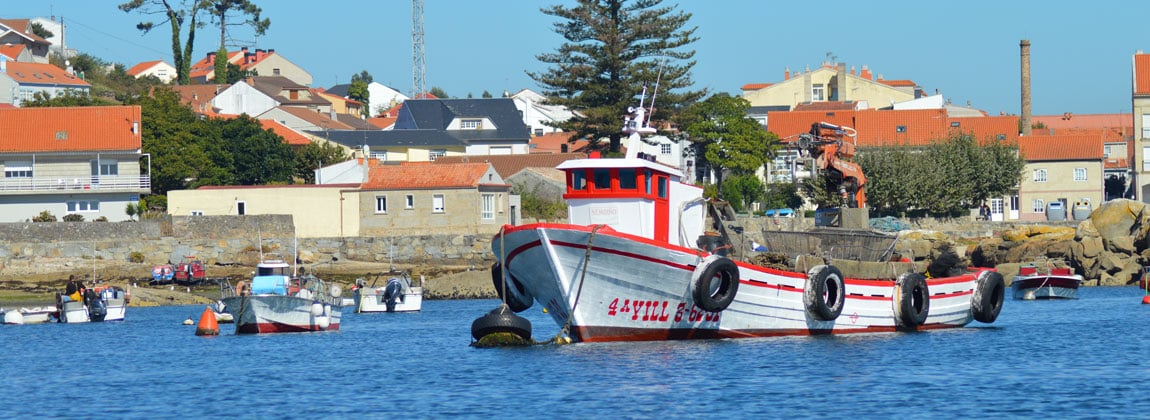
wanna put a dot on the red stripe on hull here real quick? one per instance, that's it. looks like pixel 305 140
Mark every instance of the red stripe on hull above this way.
pixel 267 328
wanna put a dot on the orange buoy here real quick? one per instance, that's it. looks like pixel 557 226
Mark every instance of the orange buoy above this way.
pixel 208 324
pixel 1146 300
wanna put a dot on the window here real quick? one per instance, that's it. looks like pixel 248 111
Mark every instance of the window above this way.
pixel 1146 126
pixel 900 129
pixel 1079 174
pixel 109 168
pixel 409 201
pixel 538 132
pixel 1146 158
pixel 662 187
pixel 627 179
pixel 578 180
pixel 487 207
pixel 275 72
pixel 241 208
pixel 1039 175
pixel 647 182
pixel 83 206
pixel 436 154
pixel 602 178
pixel 437 203
pixel 1039 206
pixel 470 124
pixel 381 204
pixel 665 149
pixel 818 93
pixel 197 212
pixel 378 154
pixel 18 169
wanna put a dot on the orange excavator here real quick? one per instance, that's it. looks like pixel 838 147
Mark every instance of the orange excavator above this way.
pixel 833 147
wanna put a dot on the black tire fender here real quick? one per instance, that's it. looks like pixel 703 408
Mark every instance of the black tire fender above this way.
pixel 518 298
pixel 501 319
pixel 714 283
pixel 989 292
pixel 825 292
pixel 912 300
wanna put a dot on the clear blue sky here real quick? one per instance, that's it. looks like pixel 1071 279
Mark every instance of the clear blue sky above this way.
pixel 1080 54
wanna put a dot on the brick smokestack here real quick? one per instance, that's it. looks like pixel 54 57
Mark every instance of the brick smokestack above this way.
pixel 1024 46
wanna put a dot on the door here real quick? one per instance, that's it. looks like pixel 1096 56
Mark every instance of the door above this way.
pixel 241 208
pixel 996 205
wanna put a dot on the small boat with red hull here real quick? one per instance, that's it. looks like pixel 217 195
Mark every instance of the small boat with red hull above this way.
pixel 646 257
pixel 278 301
pixel 1041 281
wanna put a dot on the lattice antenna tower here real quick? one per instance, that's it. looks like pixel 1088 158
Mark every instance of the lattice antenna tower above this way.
pixel 418 59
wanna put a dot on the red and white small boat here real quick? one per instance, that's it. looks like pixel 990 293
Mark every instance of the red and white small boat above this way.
pixel 633 264
pixel 278 301
pixel 1035 282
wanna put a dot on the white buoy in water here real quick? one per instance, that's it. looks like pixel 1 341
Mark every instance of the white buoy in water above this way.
pixel 189 321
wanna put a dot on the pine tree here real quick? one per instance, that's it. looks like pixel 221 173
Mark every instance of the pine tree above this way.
pixel 614 48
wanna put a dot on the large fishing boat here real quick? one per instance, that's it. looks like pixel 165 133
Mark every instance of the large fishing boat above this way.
pixel 277 301
pixel 644 257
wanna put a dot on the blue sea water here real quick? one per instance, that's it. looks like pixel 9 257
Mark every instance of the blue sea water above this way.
pixel 1063 359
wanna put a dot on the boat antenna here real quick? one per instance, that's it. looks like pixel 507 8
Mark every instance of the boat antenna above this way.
pixel 654 93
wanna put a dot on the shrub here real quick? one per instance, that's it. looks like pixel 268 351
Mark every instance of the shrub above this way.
pixel 136 257
pixel 73 217
pixel 100 219
pixel 45 216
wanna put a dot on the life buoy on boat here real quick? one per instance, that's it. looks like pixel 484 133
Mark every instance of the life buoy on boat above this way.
pixel 911 300
pixel 518 298
pixel 988 295
pixel 825 292
pixel 715 283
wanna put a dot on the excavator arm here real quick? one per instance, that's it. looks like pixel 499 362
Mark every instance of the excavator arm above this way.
pixel 827 142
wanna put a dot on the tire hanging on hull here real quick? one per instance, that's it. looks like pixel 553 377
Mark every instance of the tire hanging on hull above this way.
pixel 989 293
pixel 517 297
pixel 714 283
pixel 912 300
pixel 825 292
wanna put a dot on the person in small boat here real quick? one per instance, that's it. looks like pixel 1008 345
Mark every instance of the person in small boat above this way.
pixel 72 290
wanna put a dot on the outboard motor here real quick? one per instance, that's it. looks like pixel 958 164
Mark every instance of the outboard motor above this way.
pixel 97 308
pixel 392 293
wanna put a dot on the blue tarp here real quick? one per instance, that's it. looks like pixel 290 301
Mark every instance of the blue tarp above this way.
pixel 268 284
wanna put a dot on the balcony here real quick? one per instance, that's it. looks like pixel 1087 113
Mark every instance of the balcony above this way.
pixel 140 184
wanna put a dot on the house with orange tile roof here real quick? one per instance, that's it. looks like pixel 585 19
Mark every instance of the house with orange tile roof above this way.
pixel 1140 95
pixel 16 52
pixel 414 198
pixel 260 62
pixel 395 199
pixel 71 160
pixel 831 82
pixel 340 104
pixel 19 82
pixel 158 68
pixel 1061 168
pixel 532 172
pixel 19 32
pixel 199 97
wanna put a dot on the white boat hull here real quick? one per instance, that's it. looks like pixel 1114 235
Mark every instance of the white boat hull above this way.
pixel 73 312
pixel 371 299
pixel 262 314
pixel 613 286
pixel 117 308
pixel 1041 287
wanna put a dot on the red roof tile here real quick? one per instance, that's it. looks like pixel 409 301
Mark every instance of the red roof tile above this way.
pixel 425 176
pixel 756 86
pixel 507 165
pixel 895 127
pixel 1142 74
pixel 382 122
pixel 24 27
pixel 825 106
pixel 1047 148
pixel 70 129
pixel 290 136
pixel 1116 163
pixel 897 83
pixel 12 51
pixel 42 74
pixel 553 143
pixel 139 68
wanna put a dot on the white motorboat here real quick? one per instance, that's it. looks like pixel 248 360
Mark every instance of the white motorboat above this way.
pixel 396 294
pixel 278 301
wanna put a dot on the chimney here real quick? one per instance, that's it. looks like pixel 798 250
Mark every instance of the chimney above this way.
pixel 787 74
pixel 1024 49
pixel 852 70
pixel 212 56
pixel 865 72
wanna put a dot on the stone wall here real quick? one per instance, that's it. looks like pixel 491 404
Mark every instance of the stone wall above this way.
pixel 44 248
